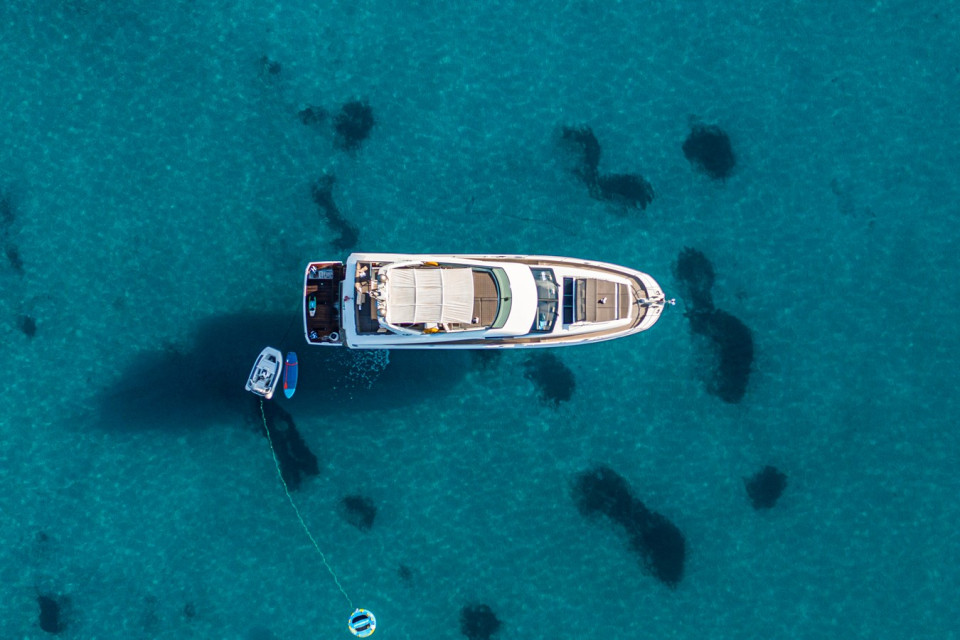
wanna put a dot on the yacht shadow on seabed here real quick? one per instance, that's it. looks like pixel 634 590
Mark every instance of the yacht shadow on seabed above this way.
pixel 174 388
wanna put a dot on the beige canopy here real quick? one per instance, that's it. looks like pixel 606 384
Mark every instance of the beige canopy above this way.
pixel 430 295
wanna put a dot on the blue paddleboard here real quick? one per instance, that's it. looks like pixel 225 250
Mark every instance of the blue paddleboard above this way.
pixel 290 375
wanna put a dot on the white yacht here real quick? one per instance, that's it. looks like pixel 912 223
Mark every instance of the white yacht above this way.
pixel 440 301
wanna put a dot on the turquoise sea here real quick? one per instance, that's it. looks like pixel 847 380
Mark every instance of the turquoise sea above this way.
pixel 157 172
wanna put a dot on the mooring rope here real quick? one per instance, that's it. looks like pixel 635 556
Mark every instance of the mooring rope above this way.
pixel 303 524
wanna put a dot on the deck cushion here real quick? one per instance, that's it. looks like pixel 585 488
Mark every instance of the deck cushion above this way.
pixel 416 295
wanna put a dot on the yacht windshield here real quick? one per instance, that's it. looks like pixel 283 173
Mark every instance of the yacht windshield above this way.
pixel 546 301
pixel 503 291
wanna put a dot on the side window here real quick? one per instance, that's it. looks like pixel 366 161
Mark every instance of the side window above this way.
pixel 568 301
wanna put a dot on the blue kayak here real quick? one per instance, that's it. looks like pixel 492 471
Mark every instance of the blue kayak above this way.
pixel 290 375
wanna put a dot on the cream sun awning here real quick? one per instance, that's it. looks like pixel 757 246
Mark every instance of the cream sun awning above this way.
pixel 429 295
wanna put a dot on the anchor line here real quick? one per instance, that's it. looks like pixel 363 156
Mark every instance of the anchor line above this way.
pixel 293 504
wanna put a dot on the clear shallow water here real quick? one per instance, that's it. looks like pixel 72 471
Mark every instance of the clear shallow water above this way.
pixel 159 180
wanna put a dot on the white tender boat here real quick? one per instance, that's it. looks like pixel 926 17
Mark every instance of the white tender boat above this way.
pixel 438 301
pixel 265 374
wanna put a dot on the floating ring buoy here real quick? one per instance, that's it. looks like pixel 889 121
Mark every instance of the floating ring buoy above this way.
pixel 334 336
pixel 362 623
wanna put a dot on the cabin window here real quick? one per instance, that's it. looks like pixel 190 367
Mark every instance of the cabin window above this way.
pixel 580 314
pixel 547 301
pixel 568 301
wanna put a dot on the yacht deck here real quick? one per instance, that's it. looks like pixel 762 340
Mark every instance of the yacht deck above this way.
pixel 322 306
pixel 486 300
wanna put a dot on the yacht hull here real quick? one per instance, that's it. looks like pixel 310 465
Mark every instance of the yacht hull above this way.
pixel 472 301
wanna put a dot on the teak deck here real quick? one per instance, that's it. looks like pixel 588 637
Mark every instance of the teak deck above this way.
pixel 326 291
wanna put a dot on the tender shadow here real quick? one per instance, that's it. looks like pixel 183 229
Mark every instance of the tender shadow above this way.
pixel 191 388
